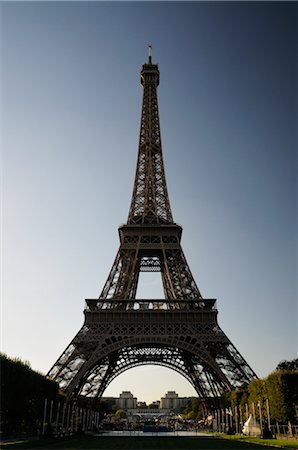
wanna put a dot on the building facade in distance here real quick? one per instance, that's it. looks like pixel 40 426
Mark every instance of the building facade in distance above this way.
pixel 126 401
pixel 173 402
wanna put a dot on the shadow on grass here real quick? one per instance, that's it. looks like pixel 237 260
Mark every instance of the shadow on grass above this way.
pixel 134 443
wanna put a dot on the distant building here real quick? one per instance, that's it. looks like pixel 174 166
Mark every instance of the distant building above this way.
pixel 172 402
pixel 126 401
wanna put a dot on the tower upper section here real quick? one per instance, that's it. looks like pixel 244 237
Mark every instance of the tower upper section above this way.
pixel 150 202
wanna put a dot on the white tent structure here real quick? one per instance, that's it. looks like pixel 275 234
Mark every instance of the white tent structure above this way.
pixel 251 427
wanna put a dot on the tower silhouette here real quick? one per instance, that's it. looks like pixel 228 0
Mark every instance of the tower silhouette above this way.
pixel 180 331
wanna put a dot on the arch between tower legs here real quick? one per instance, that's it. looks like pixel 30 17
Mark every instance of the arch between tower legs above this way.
pixel 106 361
pixel 112 340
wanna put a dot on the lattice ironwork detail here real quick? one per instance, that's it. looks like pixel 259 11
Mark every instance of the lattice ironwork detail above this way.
pixel 180 331
pixel 150 202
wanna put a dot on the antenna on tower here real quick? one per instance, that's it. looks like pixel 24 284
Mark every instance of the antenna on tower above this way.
pixel 150 54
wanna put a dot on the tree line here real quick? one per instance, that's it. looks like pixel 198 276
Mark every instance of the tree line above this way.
pixel 274 398
pixel 23 394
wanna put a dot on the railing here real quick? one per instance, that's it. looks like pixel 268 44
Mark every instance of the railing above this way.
pixel 285 431
pixel 203 305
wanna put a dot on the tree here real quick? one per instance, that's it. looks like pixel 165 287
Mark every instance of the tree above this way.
pixel 142 405
pixel 153 405
pixel 193 410
pixel 282 391
pixel 288 365
pixel 280 388
pixel 120 413
pixel 257 390
pixel 23 395
pixel 239 398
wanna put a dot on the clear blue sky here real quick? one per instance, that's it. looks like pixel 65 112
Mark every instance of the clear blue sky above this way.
pixel 71 103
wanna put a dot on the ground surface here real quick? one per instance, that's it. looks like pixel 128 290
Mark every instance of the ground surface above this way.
pixel 143 443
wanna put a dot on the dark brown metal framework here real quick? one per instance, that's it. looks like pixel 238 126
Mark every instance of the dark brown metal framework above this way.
pixel 180 331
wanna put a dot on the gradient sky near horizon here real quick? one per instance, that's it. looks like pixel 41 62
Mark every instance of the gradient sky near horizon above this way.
pixel 71 103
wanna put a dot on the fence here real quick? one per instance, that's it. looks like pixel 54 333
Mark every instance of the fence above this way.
pixel 65 419
pixel 285 431
pixel 228 421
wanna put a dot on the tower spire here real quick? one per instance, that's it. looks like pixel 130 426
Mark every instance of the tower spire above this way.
pixel 150 54
pixel 150 202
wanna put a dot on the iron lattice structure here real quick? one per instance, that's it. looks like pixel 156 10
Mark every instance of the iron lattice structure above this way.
pixel 180 331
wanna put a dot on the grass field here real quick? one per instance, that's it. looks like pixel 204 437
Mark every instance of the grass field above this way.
pixel 147 443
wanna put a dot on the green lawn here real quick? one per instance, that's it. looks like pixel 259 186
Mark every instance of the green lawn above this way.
pixel 284 443
pixel 143 443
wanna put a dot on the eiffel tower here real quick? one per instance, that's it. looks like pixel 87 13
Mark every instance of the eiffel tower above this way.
pixel 181 331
